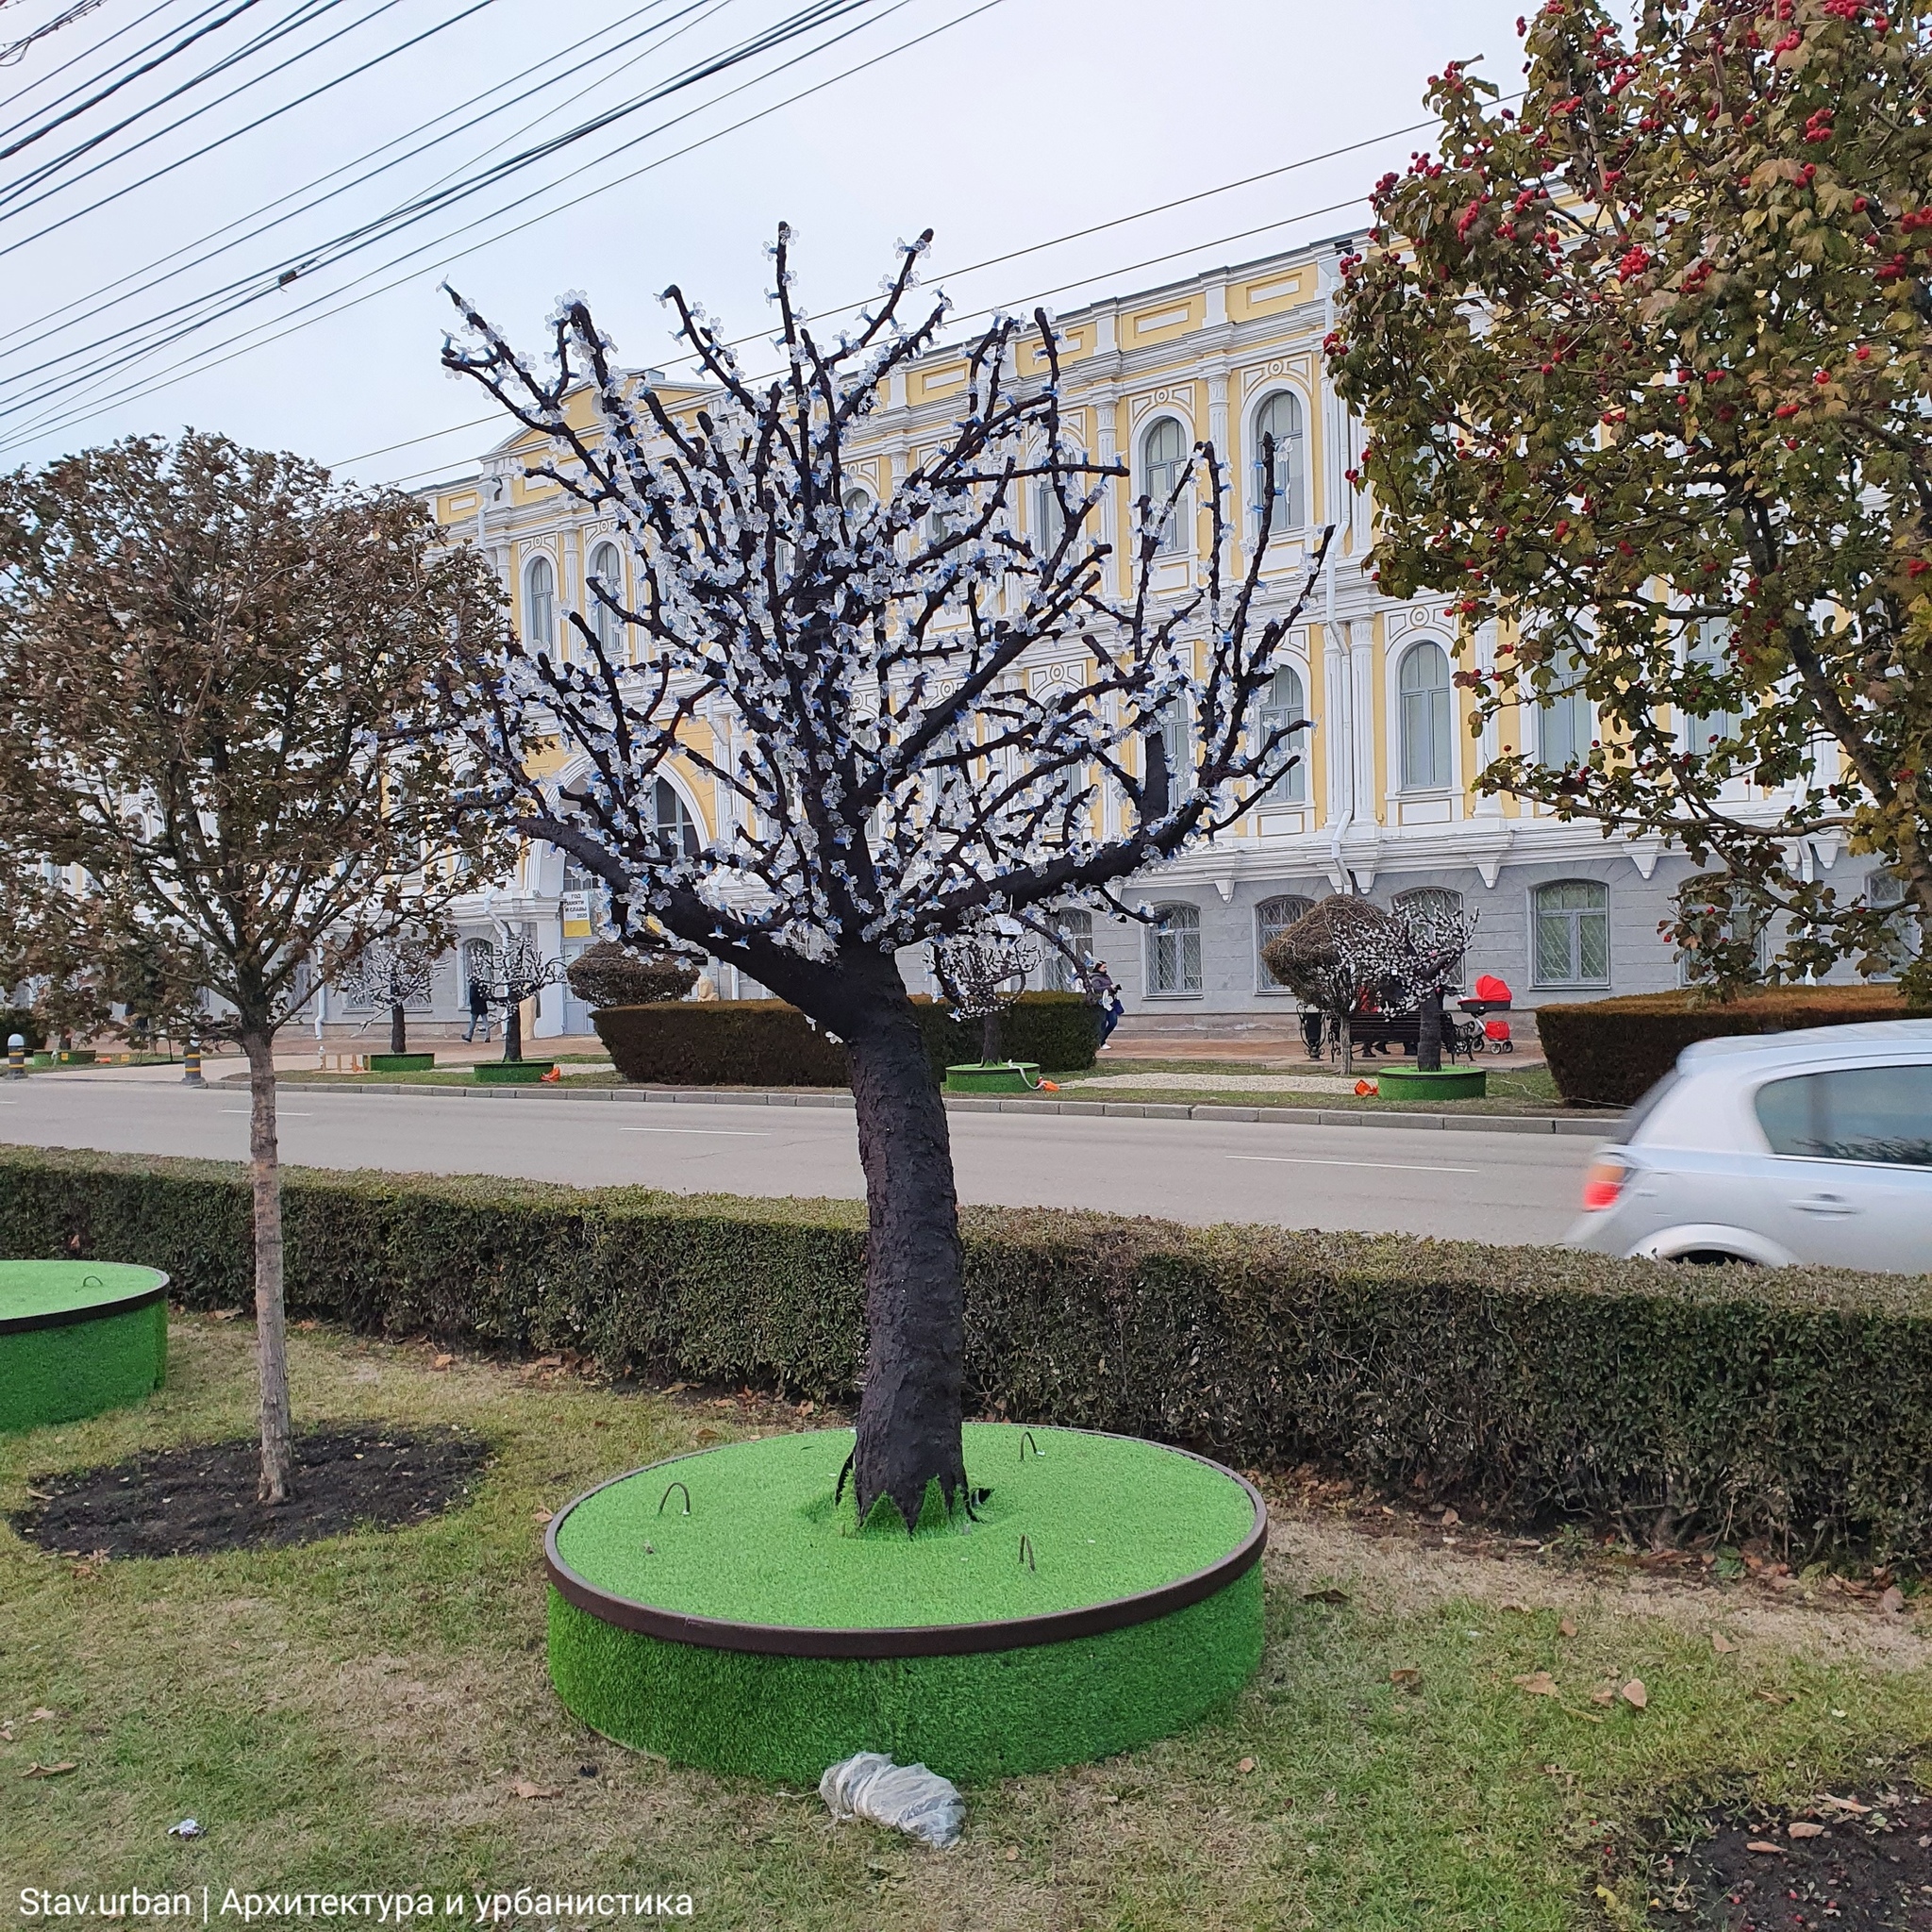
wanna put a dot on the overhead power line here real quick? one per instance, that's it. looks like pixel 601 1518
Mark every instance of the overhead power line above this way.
pixel 13 56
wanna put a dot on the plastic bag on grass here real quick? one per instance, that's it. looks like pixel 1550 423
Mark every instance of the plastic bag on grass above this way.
pixel 907 1797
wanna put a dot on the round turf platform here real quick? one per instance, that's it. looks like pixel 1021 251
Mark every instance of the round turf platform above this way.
pixel 994 1076
pixel 724 1609
pixel 79 1337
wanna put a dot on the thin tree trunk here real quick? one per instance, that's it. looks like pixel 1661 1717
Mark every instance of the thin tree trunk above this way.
pixel 514 1030
pixel 398 1028
pixel 270 1326
pixel 1428 1044
pixel 1346 1038
pixel 909 1412
pixel 989 1040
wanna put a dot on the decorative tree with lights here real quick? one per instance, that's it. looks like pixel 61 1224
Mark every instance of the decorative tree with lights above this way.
pixel 1420 947
pixel 848 676
pixel 981 973
pixel 517 972
pixel 395 973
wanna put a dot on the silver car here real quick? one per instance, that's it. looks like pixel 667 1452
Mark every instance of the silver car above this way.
pixel 1776 1148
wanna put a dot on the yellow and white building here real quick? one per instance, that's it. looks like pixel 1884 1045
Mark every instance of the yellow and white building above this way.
pixel 1384 795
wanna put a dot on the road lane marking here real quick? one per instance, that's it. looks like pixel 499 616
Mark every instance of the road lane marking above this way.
pixel 1309 1160
pixel 731 1133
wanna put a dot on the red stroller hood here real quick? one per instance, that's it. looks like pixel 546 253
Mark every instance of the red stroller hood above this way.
pixel 1490 989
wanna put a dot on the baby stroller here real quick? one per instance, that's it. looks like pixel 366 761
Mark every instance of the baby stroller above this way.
pixel 1479 1032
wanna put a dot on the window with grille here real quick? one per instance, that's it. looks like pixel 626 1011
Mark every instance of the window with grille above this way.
pixel 1571 933
pixel 1173 950
pixel 1273 917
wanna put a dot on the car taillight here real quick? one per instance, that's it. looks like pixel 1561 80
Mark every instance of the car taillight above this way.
pixel 1601 1184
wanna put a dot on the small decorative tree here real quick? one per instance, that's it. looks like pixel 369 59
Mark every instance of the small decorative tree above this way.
pixel 217 762
pixel 981 973
pixel 1325 959
pixel 395 973
pixel 611 973
pixel 847 674
pixel 1420 947
pixel 518 971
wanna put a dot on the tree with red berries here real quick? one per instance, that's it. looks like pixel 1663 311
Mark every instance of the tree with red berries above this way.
pixel 1643 362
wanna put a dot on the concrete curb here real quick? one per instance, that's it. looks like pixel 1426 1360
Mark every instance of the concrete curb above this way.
pixel 1602 1127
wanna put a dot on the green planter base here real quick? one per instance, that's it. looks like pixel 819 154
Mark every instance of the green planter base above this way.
pixel 1109 1593
pixel 512 1073
pixel 78 1338
pixel 401 1062
pixel 996 1076
pixel 1411 1082
pixel 67 1056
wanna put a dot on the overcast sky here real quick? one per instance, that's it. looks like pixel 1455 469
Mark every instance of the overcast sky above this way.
pixel 1029 119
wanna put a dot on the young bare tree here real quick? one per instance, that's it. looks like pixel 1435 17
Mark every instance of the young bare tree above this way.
pixel 848 674
pixel 1420 947
pixel 214 765
pixel 982 973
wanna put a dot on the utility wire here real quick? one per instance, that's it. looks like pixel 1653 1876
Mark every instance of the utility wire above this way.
pixel 54 74
pixel 13 56
pixel 155 379
pixel 38 324
pixel 233 134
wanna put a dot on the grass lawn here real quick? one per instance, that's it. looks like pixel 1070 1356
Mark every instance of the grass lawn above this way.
pixel 363 1713
pixel 1511 1090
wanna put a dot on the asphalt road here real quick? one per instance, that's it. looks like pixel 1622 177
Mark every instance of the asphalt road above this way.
pixel 1487 1186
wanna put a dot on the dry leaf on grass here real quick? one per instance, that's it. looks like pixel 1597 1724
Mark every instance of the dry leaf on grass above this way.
pixel 42 1715
pixel 1537 1683
pixel 1634 1695
pixel 1894 1602
pixel 1603 1694
pixel 1509 1603
pixel 1566 1626
pixel 60 1770
pixel 1771 1696
pixel 1247 1765
pixel 1759 1844
pixel 442 1361
pixel 1450 1518
pixel 1324 1596
pixel 1407 1678
pixel 542 1516
pixel 523 1788
pixel 1721 1643
pixel 1849 1805
pixel 1799 1828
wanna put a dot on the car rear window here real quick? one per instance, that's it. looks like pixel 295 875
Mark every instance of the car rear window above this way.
pixel 1852 1113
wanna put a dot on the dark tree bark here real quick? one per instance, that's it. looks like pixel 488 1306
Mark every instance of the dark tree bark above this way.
pixel 1428 1044
pixel 398 1028
pixel 989 1040
pixel 910 1409
pixel 514 1030
pixel 270 1325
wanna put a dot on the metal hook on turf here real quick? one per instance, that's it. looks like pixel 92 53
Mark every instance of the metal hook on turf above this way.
pixel 666 1497
pixel 1026 1437
pixel 1026 1554
pixel 91 1281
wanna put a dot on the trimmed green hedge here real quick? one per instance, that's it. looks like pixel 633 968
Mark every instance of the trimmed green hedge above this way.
pixel 1611 1052
pixel 768 1043
pixel 1793 1402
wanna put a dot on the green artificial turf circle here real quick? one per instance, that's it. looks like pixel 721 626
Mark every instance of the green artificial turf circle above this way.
pixel 984 1715
pixel 741 1545
pixel 78 1338
pixel 768 1633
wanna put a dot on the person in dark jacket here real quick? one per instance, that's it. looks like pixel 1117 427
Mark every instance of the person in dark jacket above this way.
pixel 479 1010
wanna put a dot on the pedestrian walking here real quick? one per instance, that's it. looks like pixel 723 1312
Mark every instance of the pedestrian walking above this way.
pixel 479 1010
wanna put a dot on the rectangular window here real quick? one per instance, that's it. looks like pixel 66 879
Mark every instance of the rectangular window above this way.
pixel 1570 934
pixel 1881 1114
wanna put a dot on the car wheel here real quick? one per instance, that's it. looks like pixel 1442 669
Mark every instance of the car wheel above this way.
pixel 1714 1258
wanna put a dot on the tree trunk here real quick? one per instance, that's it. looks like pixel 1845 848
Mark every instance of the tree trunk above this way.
pixel 270 1326
pixel 1345 1039
pixel 514 1030
pixel 909 1412
pixel 1428 1044
pixel 989 1040
pixel 398 1028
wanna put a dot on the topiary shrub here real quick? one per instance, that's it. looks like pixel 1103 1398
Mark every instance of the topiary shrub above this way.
pixel 610 975
pixel 1611 1052
pixel 768 1043
pixel 1791 1402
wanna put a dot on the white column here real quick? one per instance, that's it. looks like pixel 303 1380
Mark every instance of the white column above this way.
pixel 1487 746
pixel 1362 694
pixel 1337 736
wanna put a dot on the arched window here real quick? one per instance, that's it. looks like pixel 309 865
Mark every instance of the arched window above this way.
pixel 1173 950
pixel 1431 905
pixel 1570 926
pixel 1422 684
pixel 480 962
pixel 855 502
pixel 1563 718
pixel 676 829
pixel 1075 926
pixel 607 567
pixel 1704 730
pixel 1049 518
pixel 1273 917
pixel 540 604
pixel 1282 708
pixel 1285 480
pixel 1164 467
